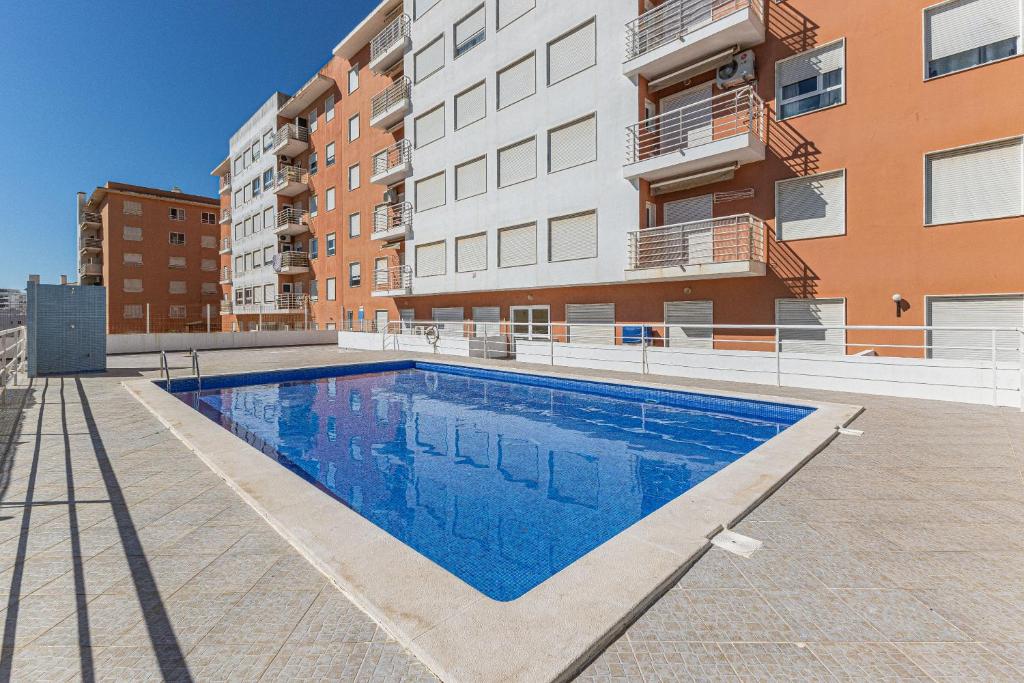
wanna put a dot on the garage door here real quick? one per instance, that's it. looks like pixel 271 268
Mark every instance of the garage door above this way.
pixel 830 312
pixel 974 311
pixel 688 313
pixel 601 316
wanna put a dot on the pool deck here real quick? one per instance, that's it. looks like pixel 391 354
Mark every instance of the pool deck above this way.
pixel 897 554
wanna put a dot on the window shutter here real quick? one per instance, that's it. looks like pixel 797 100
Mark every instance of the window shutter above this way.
pixel 591 314
pixel 517 246
pixel 510 10
pixel 469 26
pixel 572 53
pixel 471 178
pixel 421 7
pixel 812 312
pixel 490 316
pixel 132 208
pixel 517 82
pixel 976 183
pixel 430 126
pixel 471 253
pixel 689 313
pixel 974 311
pixel 809 64
pixel 813 206
pixel 572 144
pixel 430 259
pixel 470 106
pixel 963 25
pixel 430 192
pixel 689 210
pixel 452 316
pixel 132 234
pixel 429 59
pixel 573 237
pixel 517 163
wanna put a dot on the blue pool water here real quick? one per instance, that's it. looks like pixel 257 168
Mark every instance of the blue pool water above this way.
pixel 501 478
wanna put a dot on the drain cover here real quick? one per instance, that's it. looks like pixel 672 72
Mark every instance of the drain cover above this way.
pixel 736 543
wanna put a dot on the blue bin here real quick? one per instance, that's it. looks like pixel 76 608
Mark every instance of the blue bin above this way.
pixel 637 334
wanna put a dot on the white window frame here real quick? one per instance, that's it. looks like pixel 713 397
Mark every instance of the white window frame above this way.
pixel 846 205
pixel 924 44
pixel 820 89
pixel 924 181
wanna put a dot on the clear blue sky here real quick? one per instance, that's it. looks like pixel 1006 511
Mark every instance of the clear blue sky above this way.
pixel 139 92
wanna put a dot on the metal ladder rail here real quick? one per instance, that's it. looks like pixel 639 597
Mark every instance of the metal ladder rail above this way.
pixel 165 370
pixel 195 370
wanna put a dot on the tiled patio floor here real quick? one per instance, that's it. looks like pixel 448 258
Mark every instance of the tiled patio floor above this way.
pixel 896 555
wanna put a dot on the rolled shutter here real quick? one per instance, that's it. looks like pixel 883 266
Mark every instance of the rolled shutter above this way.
pixel 693 125
pixel 470 106
pixel 573 237
pixel 517 82
pixel 963 25
pixel 471 178
pixel 814 206
pixel 510 10
pixel 572 53
pixel 689 210
pixel 487 319
pixel 517 246
pixel 572 144
pixel 471 253
pixel 421 7
pixel 812 312
pixel 430 259
pixel 601 315
pixel 429 59
pixel 469 26
pixel 977 183
pixel 517 163
pixel 974 311
pixel 430 126
pixel 430 192
pixel 809 64
pixel 689 313
pixel 449 320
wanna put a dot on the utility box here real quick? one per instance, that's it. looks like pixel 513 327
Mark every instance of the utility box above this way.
pixel 67 329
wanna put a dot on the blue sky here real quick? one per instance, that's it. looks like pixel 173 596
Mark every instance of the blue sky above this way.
pixel 135 91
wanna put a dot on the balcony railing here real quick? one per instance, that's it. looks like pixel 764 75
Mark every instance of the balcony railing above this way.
pixel 289 132
pixel 85 217
pixel 392 157
pixel 225 275
pixel 90 268
pixel 290 259
pixel 396 278
pixel 225 182
pixel 392 33
pixel 719 240
pixel 716 118
pixel 290 301
pixel 225 215
pixel 91 243
pixel 225 307
pixel 393 94
pixel 674 19
pixel 225 245
pixel 290 216
pixel 392 217
pixel 290 174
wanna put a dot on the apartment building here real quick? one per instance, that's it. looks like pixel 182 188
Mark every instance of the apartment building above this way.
pixel 155 251
pixel 13 308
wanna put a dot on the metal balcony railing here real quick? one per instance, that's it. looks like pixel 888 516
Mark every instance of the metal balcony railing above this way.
pixel 225 182
pixel 91 243
pixel 89 217
pixel 392 217
pixel 390 96
pixel 389 35
pixel 225 245
pixel 392 157
pixel 225 215
pixel 291 174
pixel 719 240
pixel 290 216
pixel 225 275
pixel 90 268
pixel 225 307
pixel 290 131
pixel 674 19
pixel 290 301
pixel 394 278
pixel 716 118
pixel 290 259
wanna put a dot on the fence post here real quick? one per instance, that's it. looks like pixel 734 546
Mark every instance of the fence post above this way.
pixel 643 350
pixel 551 338
pixel 995 372
pixel 147 318
pixel 207 318
pixel 778 357
pixel 1020 348
pixel 259 319
pixel 305 318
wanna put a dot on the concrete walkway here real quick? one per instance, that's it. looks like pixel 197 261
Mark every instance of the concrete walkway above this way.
pixel 896 555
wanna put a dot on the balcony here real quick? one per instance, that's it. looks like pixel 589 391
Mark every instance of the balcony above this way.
pixel 291 140
pixel 291 180
pixel 292 222
pixel 392 221
pixel 678 33
pixel 722 130
pixel 394 281
pixel 225 216
pixel 388 46
pixel 390 106
pixel 291 302
pixel 291 263
pixel 732 246
pixel 90 219
pixel 225 245
pixel 225 308
pixel 392 164
pixel 90 245
pixel 225 184
pixel 225 276
pixel 90 268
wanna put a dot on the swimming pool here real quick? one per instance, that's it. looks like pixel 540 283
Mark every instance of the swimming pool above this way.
pixel 503 479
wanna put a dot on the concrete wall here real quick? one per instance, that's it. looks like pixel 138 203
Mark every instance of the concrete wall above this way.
pixel 148 343
pixel 67 326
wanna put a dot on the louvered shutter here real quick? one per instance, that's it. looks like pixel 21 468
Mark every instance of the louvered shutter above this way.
pixel 430 126
pixel 517 82
pixel 430 192
pixel 691 123
pixel 469 26
pixel 963 25
pixel 573 237
pixel 689 210
pixel 814 206
pixel 471 178
pixel 517 163
pixel 809 64
pixel 985 181
pixel 471 253
pixel 420 7
pixel 812 312
pixel 974 311
pixel 572 144
pixel 449 320
pixel 429 59
pixel 602 315
pixel 470 106
pixel 689 313
pixel 430 259
pixel 696 240
pixel 487 319
pixel 572 53
pixel 517 246
pixel 510 10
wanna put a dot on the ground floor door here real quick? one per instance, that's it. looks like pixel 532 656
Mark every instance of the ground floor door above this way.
pixel 531 322
pixel 380 320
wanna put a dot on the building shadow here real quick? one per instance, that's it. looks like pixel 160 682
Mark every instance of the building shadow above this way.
pixel 793 30
pixel 795 275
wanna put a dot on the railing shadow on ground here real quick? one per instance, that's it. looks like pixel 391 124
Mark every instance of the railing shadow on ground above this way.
pixel 793 29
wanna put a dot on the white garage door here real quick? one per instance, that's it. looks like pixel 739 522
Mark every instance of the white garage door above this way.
pixel 602 316
pixel 688 313
pixel 974 311
pixel 812 312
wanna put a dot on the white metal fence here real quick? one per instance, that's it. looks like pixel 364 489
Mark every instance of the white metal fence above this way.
pixel 13 349
pixel 674 19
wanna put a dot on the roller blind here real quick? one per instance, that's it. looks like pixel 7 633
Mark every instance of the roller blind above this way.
pixel 974 311
pixel 430 126
pixel 601 315
pixel 573 237
pixel 510 10
pixel 430 192
pixel 572 53
pixel 430 259
pixel 689 210
pixel 452 316
pixel 814 206
pixel 491 316
pixel 429 59
pixel 689 313
pixel 976 183
pixel 809 64
pixel 471 178
pixel 812 312
pixel 471 253
pixel 421 7
pixel 469 26
pixel 517 246
pixel 517 162
pixel 572 144
pixel 470 106
pixel 969 24
pixel 517 82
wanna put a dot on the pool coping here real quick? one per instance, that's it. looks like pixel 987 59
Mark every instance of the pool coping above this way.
pixel 552 631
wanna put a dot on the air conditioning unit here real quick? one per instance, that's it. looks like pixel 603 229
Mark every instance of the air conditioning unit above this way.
pixel 285 160
pixel 284 239
pixel 740 70
pixel 390 196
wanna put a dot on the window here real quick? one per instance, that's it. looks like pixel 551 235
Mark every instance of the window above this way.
pixel 133 311
pixel 132 234
pixel 257 223
pixel 830 313
pixel 131 259
pixel 421 7
pixel 962 34
pixel 811 80
pixel 574 52
pixel 313 203
pixel 239 231
pixel 314 289
pixel 268 140
pixel 177 287
pixel 430 192
pixel 238 198
pixel 256 186
pixel 312 118
pixel 353 79
pixel 353 128
pixel 177 237
pixel 679 315
pixel 974 183
pixel 332 289
pixel 330 241
pixel 517 246
pixel 239 265
pixel 573 237
pixel 471 105
pixel 269 294
pixel 177 262
pixel 268 255
pixel 517 163
pixel 1006 311
pixel 132 285
pixel 353 177
pixel 177 311
pixel 811 206
pixel 471 253
pixel 572 144
pixel 430 259
pixel 209 287
pixel 429 60
pixel 268 217
pixel 470 31
pixel 354 225
pixel 517 81
pixel 429 127
pixel 329 199
pixel 248 261
pixel 314 248
pixel 510 10
pixel 248 226
pixel 256 298
pixel 238 165
pixel 209 218
pixel 254 151
pixel 329 108
pixel 471 178
pixel 354 274
pixel 329 154
pixel 208 264
pixel 593 323
pixel 247 193
pixel 268 178
pixel 530 322
pixel 132 208
pixel 313 166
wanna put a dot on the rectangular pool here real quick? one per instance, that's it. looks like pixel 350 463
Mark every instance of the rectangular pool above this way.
pixel 501 478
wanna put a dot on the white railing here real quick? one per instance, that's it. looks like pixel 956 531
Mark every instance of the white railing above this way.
pixel 225 275
pixel 392 279
pixel 674 19
pixel 392 217
pixel 90 268
pixel 225 182
pixel 290 174
pixel 289 302
pixel 392 157
pixel 290 131
pixel 225 215
pixel 13 347
pixel 290 259
pixel 225 244
pixel 718 240
pixel 390 96
pixel 731 113
pixel 292 216
pixel 225 307
pixel 389 35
